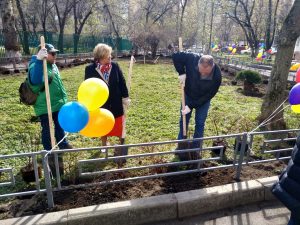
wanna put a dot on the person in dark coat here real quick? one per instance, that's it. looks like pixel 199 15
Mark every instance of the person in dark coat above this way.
pixel 287 189
pixel 110 72
pixel 201 79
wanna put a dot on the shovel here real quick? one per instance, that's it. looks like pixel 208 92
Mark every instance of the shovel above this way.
pixel 183 145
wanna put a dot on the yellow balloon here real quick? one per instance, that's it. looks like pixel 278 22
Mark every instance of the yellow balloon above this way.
pixel 295 108
pixel 295 67
pixel 101 122
pixel 259 55
pixel 234 50
pixel 93 93
pixel 230 48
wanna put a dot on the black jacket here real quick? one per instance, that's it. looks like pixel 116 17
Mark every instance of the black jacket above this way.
pixel 117 87
pixel 198 90
pixel 287 189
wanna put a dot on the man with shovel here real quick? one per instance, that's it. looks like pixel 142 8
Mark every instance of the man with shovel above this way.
pixel 58 99
pixel 200 79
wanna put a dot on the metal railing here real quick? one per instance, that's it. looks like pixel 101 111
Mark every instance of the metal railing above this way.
pixel 264 69
pixel 239 153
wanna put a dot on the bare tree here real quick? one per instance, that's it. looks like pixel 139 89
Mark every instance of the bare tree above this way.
pixel 82 10
pixel 276 92
pixel 212 15
pixel 43 9
pixel 271 23
pixel 63 9
pixel 242 12
pixel 25 42
pixel 107 8
pixel 151 18
pixel 11 44
pixel 182 4
pixel 203 33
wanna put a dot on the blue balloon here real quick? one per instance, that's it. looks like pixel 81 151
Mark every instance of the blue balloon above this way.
pixel 73 117
pixel 294 96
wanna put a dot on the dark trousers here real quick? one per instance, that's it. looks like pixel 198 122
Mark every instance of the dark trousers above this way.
pixel 293 221
pixel 200 117
pixel 46 141
pixel 59 132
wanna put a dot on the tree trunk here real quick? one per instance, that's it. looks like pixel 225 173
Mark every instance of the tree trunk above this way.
pixel 268 26
pixel 76 40
pixel 11 44
pixel 61 41
pixel 276 92
pixel 9 29
pixel 211 25
pixel 25 42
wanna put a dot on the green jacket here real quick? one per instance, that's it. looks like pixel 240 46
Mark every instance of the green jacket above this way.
pixel 58 95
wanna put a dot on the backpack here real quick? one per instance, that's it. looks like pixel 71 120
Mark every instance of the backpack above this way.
pixel 27 96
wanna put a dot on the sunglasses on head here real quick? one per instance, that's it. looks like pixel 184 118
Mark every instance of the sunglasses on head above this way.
pixel 52 53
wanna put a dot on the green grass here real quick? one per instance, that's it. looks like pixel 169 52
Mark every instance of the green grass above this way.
pixel 153 114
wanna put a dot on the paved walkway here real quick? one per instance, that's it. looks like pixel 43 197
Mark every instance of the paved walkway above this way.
pixel 263 72
pixel 265 213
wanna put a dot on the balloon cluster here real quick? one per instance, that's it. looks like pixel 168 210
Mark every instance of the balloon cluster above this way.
pixel 260 56
pixel 215 48
pixel 294 96
pixel 86 116
pixel 232 49
pixel 270 51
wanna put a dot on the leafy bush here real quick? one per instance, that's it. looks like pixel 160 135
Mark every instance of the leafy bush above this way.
pixel 249 76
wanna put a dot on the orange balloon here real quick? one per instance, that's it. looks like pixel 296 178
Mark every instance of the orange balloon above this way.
pixel 101 122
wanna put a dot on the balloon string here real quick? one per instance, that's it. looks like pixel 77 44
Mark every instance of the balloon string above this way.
pixel 270 117
pixel 50 151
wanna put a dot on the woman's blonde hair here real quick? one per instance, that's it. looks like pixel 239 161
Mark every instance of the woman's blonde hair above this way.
pixel 102 51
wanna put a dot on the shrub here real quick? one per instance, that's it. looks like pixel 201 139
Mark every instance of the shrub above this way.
pixel 249 76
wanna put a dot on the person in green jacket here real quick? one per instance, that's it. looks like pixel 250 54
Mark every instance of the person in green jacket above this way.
pixel 58 96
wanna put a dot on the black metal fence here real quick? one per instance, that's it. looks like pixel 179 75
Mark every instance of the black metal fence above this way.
pixel 238 155
pixel 86 43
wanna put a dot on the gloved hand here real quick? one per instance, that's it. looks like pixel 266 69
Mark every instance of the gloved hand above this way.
pixel 42 54
pixel 182 78
pixel 186 110
pixel 126 102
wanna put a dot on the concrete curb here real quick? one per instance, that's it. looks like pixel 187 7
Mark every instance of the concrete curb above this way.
pixel 158 208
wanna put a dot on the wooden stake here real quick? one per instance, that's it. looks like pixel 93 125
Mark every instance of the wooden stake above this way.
pixel 128 87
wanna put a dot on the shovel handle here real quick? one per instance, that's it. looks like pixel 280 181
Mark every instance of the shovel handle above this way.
pixel 42 39
pixel 180 46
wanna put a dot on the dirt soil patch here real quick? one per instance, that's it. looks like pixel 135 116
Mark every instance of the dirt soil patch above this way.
pixel 135 189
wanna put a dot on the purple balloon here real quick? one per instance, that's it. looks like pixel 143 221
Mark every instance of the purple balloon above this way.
pixel 264 56
pixel 233 46
pixel 294 96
